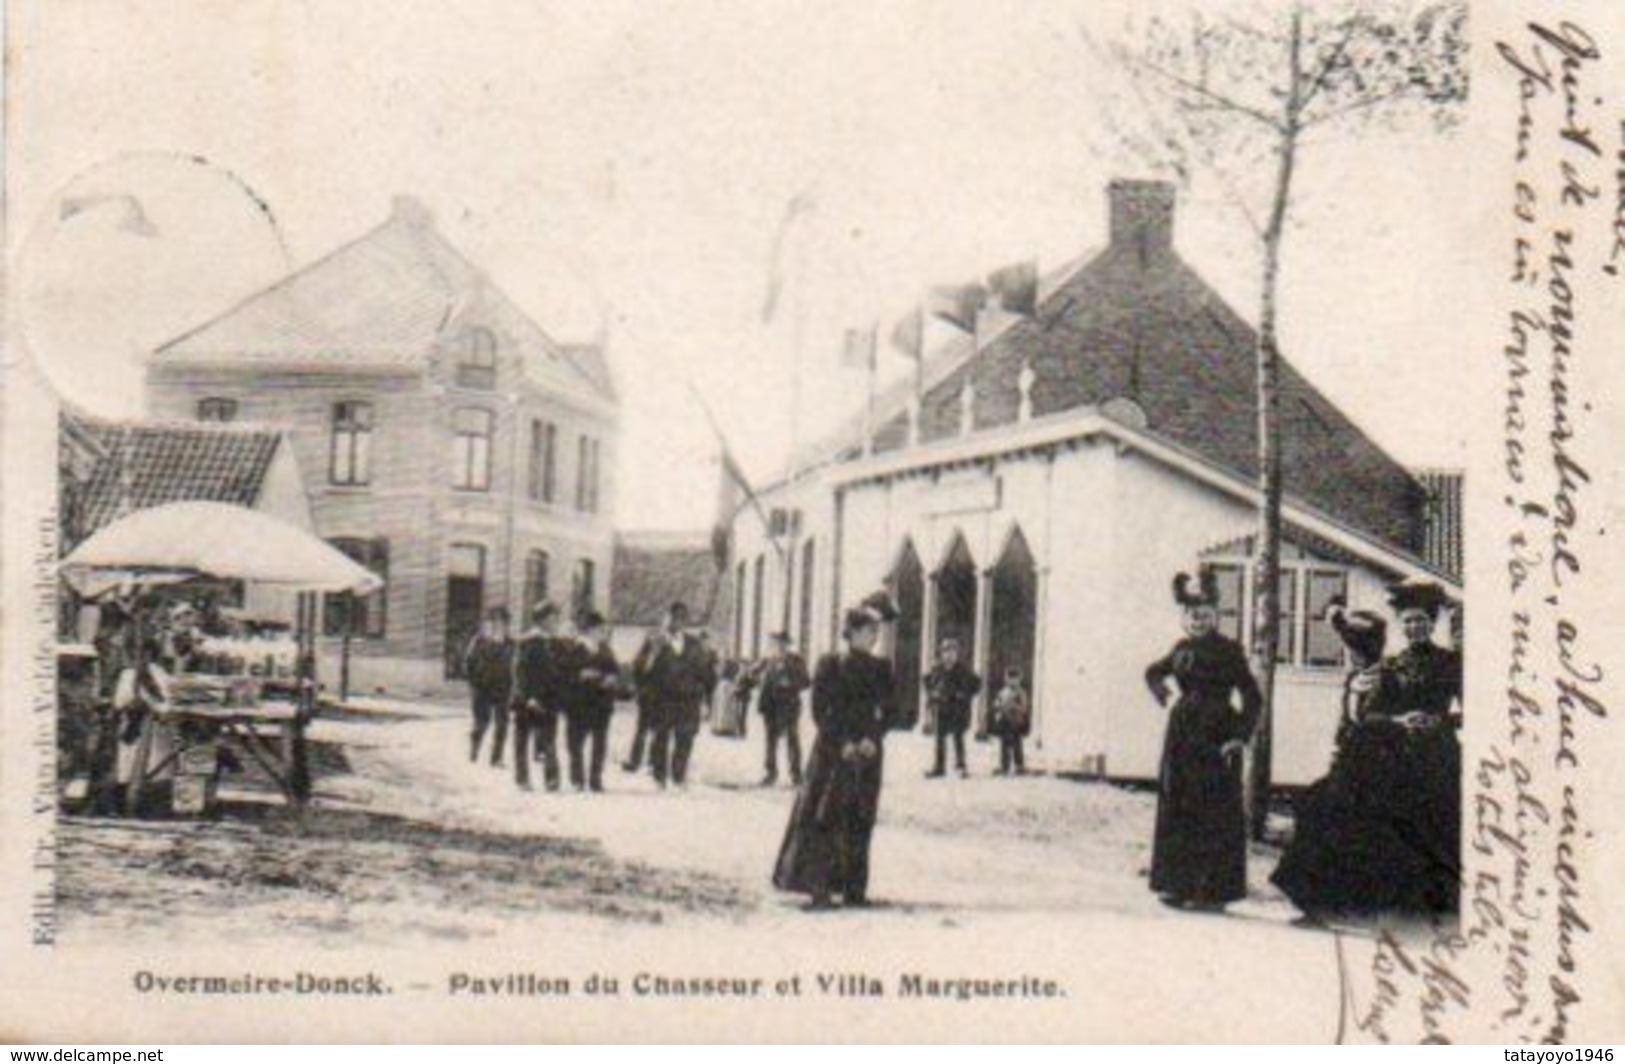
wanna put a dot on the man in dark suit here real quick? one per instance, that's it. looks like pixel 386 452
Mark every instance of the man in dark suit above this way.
pixel 595 683
pixel 488 664
pixel 538 690
pixel 782 678
pixel 674 674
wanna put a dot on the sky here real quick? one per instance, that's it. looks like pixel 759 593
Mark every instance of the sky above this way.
pixel 628 162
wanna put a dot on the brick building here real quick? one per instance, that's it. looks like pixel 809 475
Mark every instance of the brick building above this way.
pixel 446 441
pixel 1059 467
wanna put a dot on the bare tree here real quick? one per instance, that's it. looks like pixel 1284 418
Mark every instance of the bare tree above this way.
pixel 1237 98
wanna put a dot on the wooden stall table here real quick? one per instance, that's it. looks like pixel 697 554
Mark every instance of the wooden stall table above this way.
pixel 271 732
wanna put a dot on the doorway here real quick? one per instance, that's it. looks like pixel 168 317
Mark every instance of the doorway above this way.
pixel 465 600
pixel 956 599
pixel 908 635
pixel 1014 620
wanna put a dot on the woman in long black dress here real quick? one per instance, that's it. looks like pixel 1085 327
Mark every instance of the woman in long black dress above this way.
pixel 826 845
pixel 1337 860
pixel 1199 853
pixel 1382 830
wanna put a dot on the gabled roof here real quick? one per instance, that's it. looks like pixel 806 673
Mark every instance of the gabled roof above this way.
pixel 653 570
pixel 145 464
pixel 384 300
pixel 1136 323
pixel 1302 522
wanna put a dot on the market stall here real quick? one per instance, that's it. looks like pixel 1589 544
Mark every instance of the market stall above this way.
pixel 185 693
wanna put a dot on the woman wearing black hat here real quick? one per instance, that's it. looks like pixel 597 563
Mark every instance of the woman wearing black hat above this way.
pixel 826 845
pixel 1381 830
pixel 1199 853
pixel 1331 864
pixel 1425 680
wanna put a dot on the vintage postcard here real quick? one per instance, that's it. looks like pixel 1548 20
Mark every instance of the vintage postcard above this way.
pixel 1025 520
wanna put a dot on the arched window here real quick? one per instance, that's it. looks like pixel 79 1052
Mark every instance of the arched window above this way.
pixel 478 367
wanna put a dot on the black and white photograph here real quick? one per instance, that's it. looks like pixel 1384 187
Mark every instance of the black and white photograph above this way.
pixel 1005 521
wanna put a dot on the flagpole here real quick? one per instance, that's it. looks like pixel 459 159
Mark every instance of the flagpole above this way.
pixel 798 329
pixel 869 408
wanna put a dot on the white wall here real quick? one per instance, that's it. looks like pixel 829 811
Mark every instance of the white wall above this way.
pixel 1074 507
pixel 1108 528
pixel 1162 522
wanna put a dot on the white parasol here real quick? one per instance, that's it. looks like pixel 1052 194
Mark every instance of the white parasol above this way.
pixel 181 540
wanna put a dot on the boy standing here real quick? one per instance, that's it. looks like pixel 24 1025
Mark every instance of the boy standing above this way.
pixel 1012 719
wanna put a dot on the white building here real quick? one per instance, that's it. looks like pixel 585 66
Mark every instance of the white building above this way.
pixel 1056 475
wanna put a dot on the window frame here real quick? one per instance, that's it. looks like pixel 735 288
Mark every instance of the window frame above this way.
pixel 340 609
pixel 581 472
pixel 477 361
pixel 741 575
pixel 350 427
pixel 538 574
pixel 471 463
pixel 1310 571
pixel 583 587
pixel 230 407
pixel 1292 651
pixel 808 588
pixel 757 604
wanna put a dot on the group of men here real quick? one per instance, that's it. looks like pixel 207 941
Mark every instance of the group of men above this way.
pixel 530 684
pixel 540 679
pixel 545 677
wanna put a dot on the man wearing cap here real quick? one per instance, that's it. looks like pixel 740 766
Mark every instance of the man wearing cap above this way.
pixel 951 686
pixel 674 675
pixel 537 690
pixel 783 676
pixel 594 684
pixel 488 664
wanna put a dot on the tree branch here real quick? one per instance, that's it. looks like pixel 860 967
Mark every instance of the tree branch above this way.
pixel 1323 74
pixel 1216 100
pixel 1363 103
pixel 1192 141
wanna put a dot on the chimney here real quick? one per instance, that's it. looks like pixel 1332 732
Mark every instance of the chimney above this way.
pixel 1142 217
pixel 411 211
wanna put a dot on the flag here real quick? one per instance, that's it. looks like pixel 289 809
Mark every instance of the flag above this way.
pixel 908 335
pixel 731 488
pixel 799 204
pixel 858 348
pixel 732 484
pixel 958 305
pixel 1016 287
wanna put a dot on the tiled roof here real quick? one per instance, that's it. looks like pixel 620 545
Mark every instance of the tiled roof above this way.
pixel 1142 325
pixel 386 299
pixel 654 570
pixel 147 465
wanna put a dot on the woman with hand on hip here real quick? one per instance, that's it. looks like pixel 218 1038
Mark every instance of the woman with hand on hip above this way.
pixel 1199 852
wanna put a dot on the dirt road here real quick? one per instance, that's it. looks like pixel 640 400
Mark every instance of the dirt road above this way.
pixel 407 840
